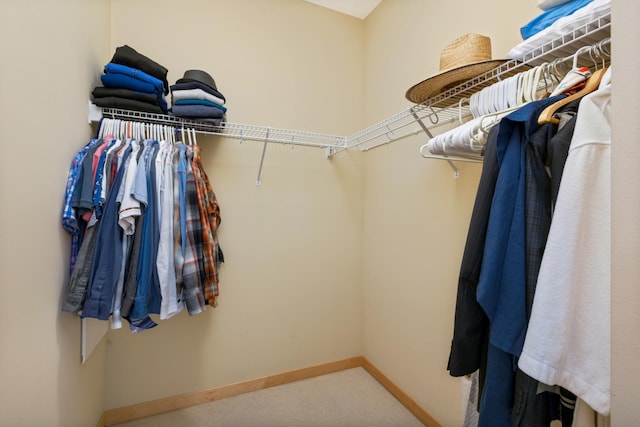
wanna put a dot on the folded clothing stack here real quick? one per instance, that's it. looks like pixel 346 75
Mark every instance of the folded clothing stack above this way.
pixel 133 81
pixel 553 10
pixel 581 17
pixel 550 4
pixel 195 96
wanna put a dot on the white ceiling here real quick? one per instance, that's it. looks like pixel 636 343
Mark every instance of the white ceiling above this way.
pixel 358 8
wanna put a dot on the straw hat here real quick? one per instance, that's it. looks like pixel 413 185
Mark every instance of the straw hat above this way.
pixel 465 58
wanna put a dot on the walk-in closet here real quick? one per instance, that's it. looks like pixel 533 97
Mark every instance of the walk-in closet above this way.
pixel 337 191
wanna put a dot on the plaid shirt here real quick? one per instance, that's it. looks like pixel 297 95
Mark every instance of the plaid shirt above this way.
pixel 178 194
pixel 210 218
pixel 69 214
pixel 193 270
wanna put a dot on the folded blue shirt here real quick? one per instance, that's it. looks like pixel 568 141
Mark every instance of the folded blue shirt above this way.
pixel 127 82
pixel 197 111
pixel 123 81
pixel 112 68
pixel 200 102
pixel 547 18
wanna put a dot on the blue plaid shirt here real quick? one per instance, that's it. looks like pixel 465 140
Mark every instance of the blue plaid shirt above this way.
pixel 69 217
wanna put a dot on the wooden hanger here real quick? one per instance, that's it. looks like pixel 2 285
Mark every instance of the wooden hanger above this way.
pixel 591 85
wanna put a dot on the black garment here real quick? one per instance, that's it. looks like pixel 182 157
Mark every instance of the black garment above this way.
pixel 471 325
pixel 537 206
pixel 126 55
pixel 128 104
pixel 558 151
pixel 531 409
pixel 106 92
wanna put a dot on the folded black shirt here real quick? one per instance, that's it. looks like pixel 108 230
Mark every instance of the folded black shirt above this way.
pixel 127 104
pixel 103 92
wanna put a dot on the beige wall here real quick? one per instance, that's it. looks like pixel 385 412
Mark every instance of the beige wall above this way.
pixel 328 259
pixel 416 214
pixel 290 291
pixel 51 53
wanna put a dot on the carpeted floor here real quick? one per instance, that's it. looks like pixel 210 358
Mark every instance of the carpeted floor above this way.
pixel 350 398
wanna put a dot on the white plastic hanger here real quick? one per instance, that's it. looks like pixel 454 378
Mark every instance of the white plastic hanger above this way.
pixel 575 75
pixel 101 128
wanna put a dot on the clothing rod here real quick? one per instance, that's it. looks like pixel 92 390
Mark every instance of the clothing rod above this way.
pixel 456 157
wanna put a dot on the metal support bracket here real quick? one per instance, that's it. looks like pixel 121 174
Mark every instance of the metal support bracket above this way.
pixel 422 125
pixel 264 151
pixel 456 172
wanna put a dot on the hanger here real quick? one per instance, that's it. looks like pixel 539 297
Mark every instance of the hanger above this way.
pixel 550 78
pixel 101 127
pixel 592 84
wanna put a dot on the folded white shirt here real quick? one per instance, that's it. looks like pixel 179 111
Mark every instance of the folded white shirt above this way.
pixel 564 25
pixel 550 4
pixel 177 95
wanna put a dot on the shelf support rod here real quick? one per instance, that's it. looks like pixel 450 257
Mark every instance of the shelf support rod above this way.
pixel 456 171
pixel 264 151
pixel 422 125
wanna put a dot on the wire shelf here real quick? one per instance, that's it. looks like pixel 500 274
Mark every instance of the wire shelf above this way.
pixel 445 107
pixel 439 110
pixel 233 130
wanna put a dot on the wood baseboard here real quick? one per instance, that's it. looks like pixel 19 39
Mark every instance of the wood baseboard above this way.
pixel 102 422
pixel 155 407
pixel 418 411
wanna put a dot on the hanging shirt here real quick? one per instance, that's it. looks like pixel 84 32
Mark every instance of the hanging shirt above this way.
pixel 165 261
pixel 568 340
pixel 99 158
pixel 129 205
pixel 107 257
pixel 179 213
pixel 69 214
pixel 83 193
pixel 127 238
pixel 471 325
pixel 210 219
pixel 531 407
pixel 78 281
pixel 147 299
pixel 502 287
pixel 193 270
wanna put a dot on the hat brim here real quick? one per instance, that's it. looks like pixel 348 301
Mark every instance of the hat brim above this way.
pixel 439 83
